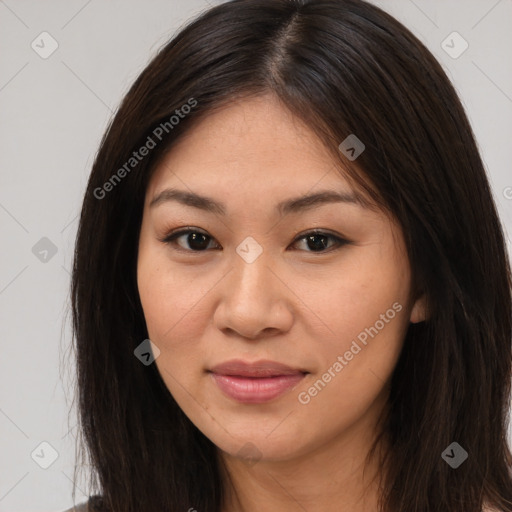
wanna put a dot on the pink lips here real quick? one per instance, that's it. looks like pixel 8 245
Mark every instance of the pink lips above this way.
pixel 256 382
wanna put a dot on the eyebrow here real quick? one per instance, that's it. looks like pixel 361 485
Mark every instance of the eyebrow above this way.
pixel 292 205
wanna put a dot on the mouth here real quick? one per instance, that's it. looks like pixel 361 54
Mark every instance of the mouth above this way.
pixel 257 382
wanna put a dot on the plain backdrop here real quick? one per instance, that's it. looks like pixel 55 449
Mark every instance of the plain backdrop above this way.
pixel 54 109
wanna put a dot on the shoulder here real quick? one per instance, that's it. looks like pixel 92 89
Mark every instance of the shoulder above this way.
pixel 83 507
pixel 87 507
pixel 94 504
pixel 488 508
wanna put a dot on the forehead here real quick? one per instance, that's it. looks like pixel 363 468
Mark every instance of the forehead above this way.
pixel 251 143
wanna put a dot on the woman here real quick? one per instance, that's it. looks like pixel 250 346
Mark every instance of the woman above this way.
pixel 291 289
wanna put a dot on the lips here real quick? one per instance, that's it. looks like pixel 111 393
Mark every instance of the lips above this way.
pixel 256 382
pixel 239 368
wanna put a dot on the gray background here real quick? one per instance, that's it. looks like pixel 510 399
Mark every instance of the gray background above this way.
pixel 53 114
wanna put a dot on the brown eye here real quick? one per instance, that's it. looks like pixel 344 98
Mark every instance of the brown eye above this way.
pixel 194 241
pixel 318 241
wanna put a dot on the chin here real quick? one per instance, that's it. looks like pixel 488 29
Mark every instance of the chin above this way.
pixel 253 444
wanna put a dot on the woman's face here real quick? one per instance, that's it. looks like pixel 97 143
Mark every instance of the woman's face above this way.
pixel 250 285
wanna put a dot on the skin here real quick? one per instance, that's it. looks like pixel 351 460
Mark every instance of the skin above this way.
pixel 293 304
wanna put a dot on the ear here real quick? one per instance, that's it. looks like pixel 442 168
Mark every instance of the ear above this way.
pixel 419 310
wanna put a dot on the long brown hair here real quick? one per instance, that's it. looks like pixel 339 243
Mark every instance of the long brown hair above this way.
pixel 342 66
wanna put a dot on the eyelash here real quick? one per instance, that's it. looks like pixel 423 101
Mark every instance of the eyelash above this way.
pixel 170 239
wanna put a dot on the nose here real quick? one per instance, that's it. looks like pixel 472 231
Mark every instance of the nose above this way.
pixel 254 301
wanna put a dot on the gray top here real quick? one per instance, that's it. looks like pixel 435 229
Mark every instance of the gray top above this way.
pixel 79 508
pixel 83 507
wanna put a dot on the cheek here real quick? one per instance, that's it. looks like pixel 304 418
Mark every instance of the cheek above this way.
pixel 170 301
pixel 173 300
pixel 360 315
pixel 167 300
pixel 346 300
pixel 355 365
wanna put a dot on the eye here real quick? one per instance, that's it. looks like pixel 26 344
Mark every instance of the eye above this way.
pixel 319 240
pixel 197 240
pixel 194 240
